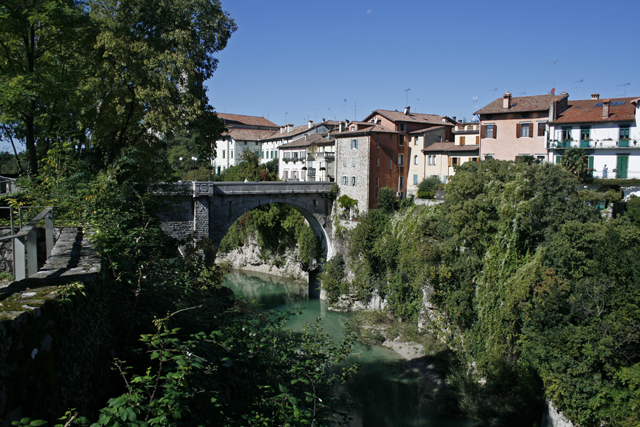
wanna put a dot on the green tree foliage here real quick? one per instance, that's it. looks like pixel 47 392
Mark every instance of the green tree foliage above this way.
pixel 428 186
pixel 332 278
pixel 251 169
pixel 386 199
pixel 347 204
pixel 633 210
pixel 576 161
pixel 108 76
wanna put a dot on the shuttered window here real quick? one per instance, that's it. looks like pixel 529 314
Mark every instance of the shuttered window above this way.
pixel 462 140
pixel 488 131
pixel 542 129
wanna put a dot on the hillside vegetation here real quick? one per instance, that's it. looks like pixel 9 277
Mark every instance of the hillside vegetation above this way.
pixel 536 295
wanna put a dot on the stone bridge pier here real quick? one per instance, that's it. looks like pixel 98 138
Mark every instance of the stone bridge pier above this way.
pixel 208 209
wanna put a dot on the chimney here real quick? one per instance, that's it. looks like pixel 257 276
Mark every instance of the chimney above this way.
pixel 595 96
pixel 281 130
pixel 605 108
pixel 323 120
pixel 553 107
pixel 506 100
pixel 407 110
pixel 454 119
pixel 305 137
pixel 341 127
pixel 309 124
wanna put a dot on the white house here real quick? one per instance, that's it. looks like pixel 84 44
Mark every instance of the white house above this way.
pixel 608 129
pixel 310 158
pixel 243 133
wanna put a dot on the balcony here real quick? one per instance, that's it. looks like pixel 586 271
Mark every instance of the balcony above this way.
pixel 589 143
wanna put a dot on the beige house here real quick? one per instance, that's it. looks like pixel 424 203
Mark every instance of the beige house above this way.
pixel 512 127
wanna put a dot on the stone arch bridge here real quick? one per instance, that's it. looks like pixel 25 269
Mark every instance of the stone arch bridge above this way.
pixel 208 209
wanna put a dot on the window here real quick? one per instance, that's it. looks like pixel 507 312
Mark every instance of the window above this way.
pixel 245 143
pixel 433 161
pixel 231 154
pixel 377 161
pixel 622 165
pixel 276 153
pixel 462 138
pixel 415 140
pixel 378 143
pixel 585 136
pixel 624 132
pixel 295 154
pixel 353 162
pixel 354 143
pixel 415 179
pixel 558 160
pixel 415 159
pixel 223 154
pixel 354 181
pixel 402 127
pixel 523 130
pixel 454 161
pixel 344 162
pixel 402 182
pixel 377 182
pixel 287 154
pixel 489 131
pixel 345 180
pixel 400 159
pixel 262 154
pixel 389 163
pixel 566 133
pixel 400 139
pixel 542 129
pixel 302 174
pixel 286 174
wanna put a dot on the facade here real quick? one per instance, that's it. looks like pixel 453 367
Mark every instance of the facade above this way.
pixel 417 159
pixel 288 134
pixel 609 129
pixel 377 153
pixel 441 158
pixel 517 126
pixel 310 158
pixel 243 133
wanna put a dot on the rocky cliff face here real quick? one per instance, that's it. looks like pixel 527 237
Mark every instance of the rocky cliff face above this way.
pixel 249 257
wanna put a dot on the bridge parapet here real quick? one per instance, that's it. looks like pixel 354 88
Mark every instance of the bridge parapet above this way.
pixel 257 188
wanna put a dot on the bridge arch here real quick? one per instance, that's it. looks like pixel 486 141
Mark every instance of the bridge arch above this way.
pixel 208 209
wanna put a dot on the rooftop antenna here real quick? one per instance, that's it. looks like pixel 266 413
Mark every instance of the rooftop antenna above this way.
pixel 521 93
pixel 355 111
pixel 345 108
pixel 329 118
pixel 418 105
pixel 406 96
pixel 579 84
pixel 554 70
pixel 494 92
pixel 285 118
pixel 625 89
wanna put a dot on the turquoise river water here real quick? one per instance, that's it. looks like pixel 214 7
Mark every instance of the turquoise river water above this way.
pixel 386 391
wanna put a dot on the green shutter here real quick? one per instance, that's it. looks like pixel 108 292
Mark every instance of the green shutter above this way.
pixel 558 159
pixel 622 166
pixel 591 166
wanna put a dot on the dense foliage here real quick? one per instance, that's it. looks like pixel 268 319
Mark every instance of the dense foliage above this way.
pixel 535 293
pixel 109 76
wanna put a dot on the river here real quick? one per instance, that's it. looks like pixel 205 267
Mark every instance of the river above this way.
pixel 388 393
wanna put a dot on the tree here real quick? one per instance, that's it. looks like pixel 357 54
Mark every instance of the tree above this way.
pixel 108 76
pixel 576 161
pixel 386 199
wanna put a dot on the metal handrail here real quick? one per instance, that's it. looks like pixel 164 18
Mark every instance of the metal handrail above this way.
pixel 25 241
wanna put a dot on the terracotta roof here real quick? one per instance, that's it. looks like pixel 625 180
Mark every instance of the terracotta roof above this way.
pixel 399 116
pixel 238 119
pixel 521 104
pixel 449 147
pixel 243 134
pixel 585 111
pixel 426 130
pixel 314 138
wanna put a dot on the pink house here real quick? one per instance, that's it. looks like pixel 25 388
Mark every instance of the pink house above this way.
pixel 513 127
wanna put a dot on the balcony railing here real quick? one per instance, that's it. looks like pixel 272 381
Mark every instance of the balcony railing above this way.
pixel 589 143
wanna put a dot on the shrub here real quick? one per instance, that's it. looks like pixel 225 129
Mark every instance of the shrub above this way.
pixel 426 194
pixel 430 184
pixel 386 199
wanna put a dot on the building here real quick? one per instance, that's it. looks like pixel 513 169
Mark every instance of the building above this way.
pixel 288 134
pixel 440 157
pixel 376 152
pixel 243 133
pixel 512 127
pixel 310 158
pixel 609 131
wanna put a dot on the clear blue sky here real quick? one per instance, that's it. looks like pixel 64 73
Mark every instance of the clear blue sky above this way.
pixel 306 57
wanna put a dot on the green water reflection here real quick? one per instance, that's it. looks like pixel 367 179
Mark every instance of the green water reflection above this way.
pixel 386 391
